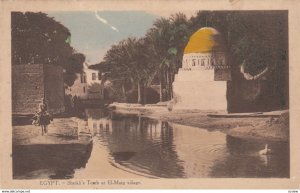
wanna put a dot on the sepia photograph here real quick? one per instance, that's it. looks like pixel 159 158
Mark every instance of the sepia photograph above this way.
pixel 132 95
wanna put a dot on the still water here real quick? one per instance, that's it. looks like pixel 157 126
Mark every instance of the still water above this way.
pixel 152 148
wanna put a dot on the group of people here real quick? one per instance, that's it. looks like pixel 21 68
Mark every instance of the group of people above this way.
pixel 42 117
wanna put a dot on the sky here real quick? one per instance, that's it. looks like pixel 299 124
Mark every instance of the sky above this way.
pixel 94 32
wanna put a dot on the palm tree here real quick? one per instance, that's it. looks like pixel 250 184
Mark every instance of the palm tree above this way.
pixel 168 37
pixel 116 62
pixel 129 62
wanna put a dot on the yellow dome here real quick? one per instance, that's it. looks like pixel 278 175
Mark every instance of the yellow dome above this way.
pixel 202 41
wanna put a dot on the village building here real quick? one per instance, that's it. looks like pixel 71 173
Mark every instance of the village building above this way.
pixel 201 82
pixel 32 82
pixel 87 84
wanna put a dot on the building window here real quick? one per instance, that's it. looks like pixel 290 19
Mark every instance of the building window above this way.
pixel 202 62
pixel 213 62
pixel 82 78
pixel 194 62
pixel 84 89
pixel 99 76
pixel 93 76
pixel 94 125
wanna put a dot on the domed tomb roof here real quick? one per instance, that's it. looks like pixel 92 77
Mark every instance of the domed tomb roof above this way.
pixel 204 40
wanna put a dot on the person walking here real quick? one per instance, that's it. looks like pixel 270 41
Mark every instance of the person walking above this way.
pixel 42 117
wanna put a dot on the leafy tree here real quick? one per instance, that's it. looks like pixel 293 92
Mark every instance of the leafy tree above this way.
pixel 168 36
pixel 255 40
pixel 39 39
pixel 251 36
pixel 256 43
pixel 74 65
pixel 130 66
pixel 116 62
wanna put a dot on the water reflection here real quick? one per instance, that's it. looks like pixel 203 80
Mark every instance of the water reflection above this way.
pixel 150 148
pixel 244 160
pixel 150 143
pixel 176 151
pixel 141 144
pixel 52 161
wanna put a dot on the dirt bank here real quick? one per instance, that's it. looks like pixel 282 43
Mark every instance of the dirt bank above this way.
pixel 60 131
pixel 264 126
pixel 67 146
pixel 66 151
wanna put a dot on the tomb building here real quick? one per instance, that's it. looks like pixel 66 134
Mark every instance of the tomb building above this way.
pixel 201 82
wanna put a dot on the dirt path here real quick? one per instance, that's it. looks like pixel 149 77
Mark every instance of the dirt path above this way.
pixel 60 131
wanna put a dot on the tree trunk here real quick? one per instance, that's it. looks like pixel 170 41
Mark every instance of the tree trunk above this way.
pixel 139 93
pixel 168 83
pixel 139 123
pixel 102 90
pixel 124 93
pixel 161 98
pixel 132 84
pixel 145 94
pixel 171 83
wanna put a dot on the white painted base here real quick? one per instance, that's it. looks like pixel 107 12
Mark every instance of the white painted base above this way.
pixel 202 95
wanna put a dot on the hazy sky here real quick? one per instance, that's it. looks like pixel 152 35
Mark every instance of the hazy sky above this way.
pixel 93 32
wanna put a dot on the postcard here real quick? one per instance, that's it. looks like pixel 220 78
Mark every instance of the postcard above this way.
pixel 149 94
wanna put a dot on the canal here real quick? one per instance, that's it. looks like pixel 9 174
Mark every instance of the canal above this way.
pixel 145 147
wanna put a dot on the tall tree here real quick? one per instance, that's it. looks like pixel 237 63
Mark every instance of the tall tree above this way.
pixel 74 66
pixel 257 41
pixel 129 63
pixel 39 39
pixel 168 37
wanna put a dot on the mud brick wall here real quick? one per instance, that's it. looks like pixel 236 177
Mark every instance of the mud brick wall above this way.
pixel 27 88
pixel 54 88
pixel 32 82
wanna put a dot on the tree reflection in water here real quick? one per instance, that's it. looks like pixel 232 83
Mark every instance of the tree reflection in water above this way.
pixel 52 161
pixel 176 151
pixel 143 144
pixel 152 147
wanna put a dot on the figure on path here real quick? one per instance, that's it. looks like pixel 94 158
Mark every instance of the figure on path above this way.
pixel 42 117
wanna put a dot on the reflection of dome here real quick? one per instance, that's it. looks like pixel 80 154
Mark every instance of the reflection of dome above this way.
pixel 202 41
